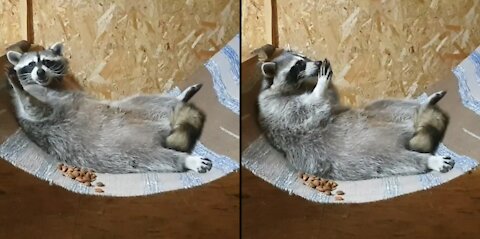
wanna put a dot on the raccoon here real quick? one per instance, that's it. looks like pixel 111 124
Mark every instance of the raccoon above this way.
pixel 320 136
pixel 124 136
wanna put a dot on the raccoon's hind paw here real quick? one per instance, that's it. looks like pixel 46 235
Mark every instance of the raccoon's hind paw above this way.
pixel 325 73
pixel 435 97
pixel 189 92
pixel 441 164
pixel 198 164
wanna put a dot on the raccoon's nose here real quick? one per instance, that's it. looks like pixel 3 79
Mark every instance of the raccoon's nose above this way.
pixel 41 72
pixel 318 63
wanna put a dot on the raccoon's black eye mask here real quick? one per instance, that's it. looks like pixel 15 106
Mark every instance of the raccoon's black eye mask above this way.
pixel 296 72
pixel 49 64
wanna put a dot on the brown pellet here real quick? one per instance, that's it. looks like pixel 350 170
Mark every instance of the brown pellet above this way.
pixel 98 190
pixel 320 184
pixel 100 184
pixel 338 198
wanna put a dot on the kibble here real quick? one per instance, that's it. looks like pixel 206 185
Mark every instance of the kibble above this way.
pixel 322 185
pixel 81 175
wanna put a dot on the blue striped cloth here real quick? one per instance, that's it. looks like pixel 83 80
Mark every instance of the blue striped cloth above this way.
pixel 225 70
pixel 468 74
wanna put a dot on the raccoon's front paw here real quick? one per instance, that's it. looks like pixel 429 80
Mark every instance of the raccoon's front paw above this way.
pixel 441 164
pixel 325 72
pixel 198 164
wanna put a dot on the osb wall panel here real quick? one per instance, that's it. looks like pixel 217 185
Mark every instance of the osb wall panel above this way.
pixel 382 48
pixel 123 47
pixel 9 24
pixel 253 26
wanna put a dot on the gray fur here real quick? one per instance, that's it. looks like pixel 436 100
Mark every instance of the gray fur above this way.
pixel 125 136
pixel 320 136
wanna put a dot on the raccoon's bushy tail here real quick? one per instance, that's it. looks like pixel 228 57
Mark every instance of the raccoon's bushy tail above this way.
pixel 430 126
pixel 187 126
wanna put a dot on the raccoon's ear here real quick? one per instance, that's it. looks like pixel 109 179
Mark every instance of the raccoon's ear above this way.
pixel 14 57
pixel 57 48
pixel 268 69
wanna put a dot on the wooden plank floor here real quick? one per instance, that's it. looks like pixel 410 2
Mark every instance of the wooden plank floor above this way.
pixel 31 208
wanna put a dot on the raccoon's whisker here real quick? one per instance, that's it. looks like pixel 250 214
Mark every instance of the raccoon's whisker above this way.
pixel 55 74
pixel 301 74
pixel 60 68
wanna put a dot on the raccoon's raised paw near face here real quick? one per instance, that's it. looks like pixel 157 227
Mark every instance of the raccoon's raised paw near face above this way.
pixel 198 164
pixel 325 73
pixel 441 164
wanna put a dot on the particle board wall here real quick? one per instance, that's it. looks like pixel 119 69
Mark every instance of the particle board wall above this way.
pixel 10 23
pixel 253 26
pixel 380 48
pixel 123 47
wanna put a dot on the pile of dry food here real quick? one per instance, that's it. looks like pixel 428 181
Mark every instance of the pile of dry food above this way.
pixel 322 185
pixel 87 177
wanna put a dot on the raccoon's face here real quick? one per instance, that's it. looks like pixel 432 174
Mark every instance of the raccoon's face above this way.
pixel 289 69
pixel 39 67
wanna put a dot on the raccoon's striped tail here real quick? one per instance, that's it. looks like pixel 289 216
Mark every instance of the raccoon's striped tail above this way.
pixel 187 126
pixel 430 126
